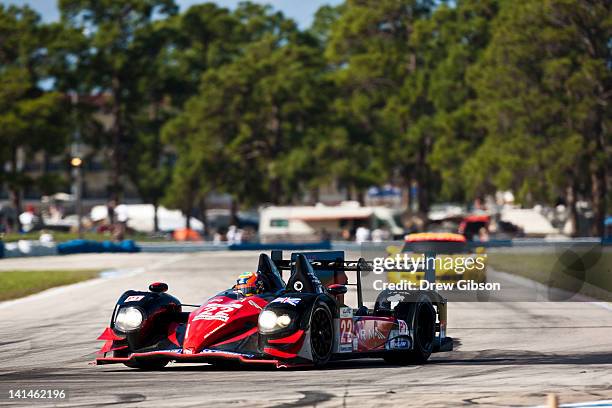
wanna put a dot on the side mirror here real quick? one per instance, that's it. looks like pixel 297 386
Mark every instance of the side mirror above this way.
pixel 393 250
pixel 336 289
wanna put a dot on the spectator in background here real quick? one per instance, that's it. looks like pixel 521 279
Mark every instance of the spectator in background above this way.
pixel 217 238
pixel 483 234
pixel 325 236
pixel 362 234
pixel 377 235
pixel 28 219
pixel 238 236
pixel 110 211
pixel 234 235
pixel 346 234
pixel 121 216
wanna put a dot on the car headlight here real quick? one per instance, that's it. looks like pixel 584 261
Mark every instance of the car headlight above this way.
pixel 128 319
pixel 270 321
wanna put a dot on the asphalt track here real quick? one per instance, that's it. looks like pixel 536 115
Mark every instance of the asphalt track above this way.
pixel 507 354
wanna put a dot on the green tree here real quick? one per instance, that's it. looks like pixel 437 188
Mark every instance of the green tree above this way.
pixel 204 36
pixel 379 99
pixel 119 55
pixel 246 126
pixel 448 44
pixel 544 88
pixel 31 118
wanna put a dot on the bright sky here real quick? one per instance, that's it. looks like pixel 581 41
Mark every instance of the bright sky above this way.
pixel 300 10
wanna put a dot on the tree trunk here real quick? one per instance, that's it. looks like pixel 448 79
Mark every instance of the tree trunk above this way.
pixel 188 219
pixel 277 191
pixel 203 214
pixel 570 199
pixel 314 194
pixel 598 195
pixel 155 217
pixel 117 136
pixel 361 197
pixel 599 170
pixel 423 196
pixel 234 212
pixel 423 179
pixel 14 190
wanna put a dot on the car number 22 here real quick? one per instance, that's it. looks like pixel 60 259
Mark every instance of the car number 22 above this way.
pixel 217 312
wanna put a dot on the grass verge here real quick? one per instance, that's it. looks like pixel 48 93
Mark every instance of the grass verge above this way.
pixel 60 236
pixel 16 284
pixel 560 270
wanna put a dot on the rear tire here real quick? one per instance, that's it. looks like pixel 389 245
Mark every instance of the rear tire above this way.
pixel 421 316
pixel 321 334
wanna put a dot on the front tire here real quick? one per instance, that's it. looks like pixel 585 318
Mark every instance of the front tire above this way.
pixel 421 315
pixel 321 334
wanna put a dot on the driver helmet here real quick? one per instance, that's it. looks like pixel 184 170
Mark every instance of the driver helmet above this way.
pixel 249 284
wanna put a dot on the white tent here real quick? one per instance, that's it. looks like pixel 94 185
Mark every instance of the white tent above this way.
pixel 531 221
pixel 140 217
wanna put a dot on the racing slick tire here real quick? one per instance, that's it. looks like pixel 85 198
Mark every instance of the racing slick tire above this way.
pixel 422 315
pixel 321 334
pixel 147 365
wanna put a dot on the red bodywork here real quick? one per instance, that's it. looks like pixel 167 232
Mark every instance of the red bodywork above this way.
pixel 220 321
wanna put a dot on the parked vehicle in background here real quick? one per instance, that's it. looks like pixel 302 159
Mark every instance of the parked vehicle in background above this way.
pixel 320 222
pixel 140 217
pixel 472 226
pixel 220 219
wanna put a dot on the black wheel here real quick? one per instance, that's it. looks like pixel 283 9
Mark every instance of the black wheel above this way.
pixel 422 318
pixel 321 334
pixel 143 364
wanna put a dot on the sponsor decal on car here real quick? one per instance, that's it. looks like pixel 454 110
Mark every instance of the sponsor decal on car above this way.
pixel 398 343
pixel 403 327
pixel 372 334
pixel 346 348
pixel 132 299
pixel 233 353
pixel 396 298
pixel 287 300
pixel 217 312
pixel 255 305
pixel 346 312
pixel 346 330
pixel 178 351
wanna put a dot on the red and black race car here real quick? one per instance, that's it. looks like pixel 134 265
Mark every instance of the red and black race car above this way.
pixel 301 322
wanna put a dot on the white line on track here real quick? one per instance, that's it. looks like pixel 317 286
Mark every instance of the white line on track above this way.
pixel 104 277
pixel 590 404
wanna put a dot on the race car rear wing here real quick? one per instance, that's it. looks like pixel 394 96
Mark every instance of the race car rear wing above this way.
pixel 330 267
